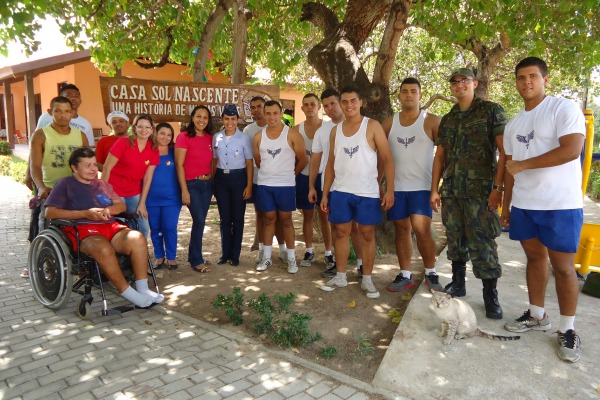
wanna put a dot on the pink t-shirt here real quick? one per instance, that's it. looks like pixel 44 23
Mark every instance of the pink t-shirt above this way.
pixel 198 156
pixel 127 175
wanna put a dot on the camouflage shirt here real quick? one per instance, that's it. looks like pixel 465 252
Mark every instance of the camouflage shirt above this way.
pixel 468 138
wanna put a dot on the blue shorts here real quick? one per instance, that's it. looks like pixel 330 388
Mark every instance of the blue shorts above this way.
pixel 407 203
pixel 275 198
pixel 302 202
pixel 345 207
pixel 558 230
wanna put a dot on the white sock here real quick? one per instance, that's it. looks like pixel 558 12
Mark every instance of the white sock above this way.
pixel 358 262
pixel 310 250
pixel 267 251
pixel 142 287
pixel 341 275
pixel 137 298
pixel 261 246
pixel 429 271
pixel 282 248
pixel 291 254
pixel 328 253
pixel 566 323
pixel 405 274
pixel 536 312
pixel 366 278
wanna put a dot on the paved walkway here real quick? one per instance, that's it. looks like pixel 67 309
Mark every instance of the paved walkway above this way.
pixel 139 355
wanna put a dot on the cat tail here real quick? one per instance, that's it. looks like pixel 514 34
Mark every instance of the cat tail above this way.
pixel 495 337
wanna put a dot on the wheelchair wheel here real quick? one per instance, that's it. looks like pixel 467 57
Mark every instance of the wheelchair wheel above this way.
pixel 49 264
pixel 83 309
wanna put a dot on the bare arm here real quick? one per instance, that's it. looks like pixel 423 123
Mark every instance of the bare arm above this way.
pixel 84 140
pixel 509 183
pixel 495 197
pixel 432 126
pixel 329 172
pixel 179 160
pixel 436 175
pixel 93 214
pixel 297 144
pixel 38 142
pixel 146 182
pixel 385 155
pixel 313 171
pixel 109 164
pixel 249 175
pixel 256 149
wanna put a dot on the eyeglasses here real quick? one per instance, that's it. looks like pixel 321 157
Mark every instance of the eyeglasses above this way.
pixel 144 128
pixel 463 81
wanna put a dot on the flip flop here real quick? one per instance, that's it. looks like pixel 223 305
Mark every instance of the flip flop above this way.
pixel 202 270
pixel 172 266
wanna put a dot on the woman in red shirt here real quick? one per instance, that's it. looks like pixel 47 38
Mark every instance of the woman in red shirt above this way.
pixel 193 158
pixel 129 168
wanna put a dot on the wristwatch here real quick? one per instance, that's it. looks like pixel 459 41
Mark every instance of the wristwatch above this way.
pixel 499 188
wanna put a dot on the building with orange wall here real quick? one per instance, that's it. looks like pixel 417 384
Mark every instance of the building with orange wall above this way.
pixel 27 89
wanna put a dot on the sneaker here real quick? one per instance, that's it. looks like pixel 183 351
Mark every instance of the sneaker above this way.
pixel 292 267
pixel 263 265
pixel 259 256
pixel 330 272
pixel 359 272
pixel 283 257
pixel 336 282
pixel 568 346
pixel 372 292
pixel 526 323
pixel 401 283
pixel 308 259
pixel 432 281
pixel 329 261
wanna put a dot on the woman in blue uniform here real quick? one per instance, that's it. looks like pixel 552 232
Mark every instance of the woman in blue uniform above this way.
pixel 164 200
pixel 232 152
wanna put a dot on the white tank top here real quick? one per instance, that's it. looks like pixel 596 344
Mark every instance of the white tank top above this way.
pixel 412 150
pixel 308 144
pixel 355 163
pixel 277 160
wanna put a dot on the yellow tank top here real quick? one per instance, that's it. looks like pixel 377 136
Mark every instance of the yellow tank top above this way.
pixel 57 150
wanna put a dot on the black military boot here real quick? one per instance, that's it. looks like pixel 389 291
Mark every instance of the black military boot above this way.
pixel 456 288
pixel 490 298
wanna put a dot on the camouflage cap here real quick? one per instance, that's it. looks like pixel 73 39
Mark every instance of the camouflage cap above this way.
pixel 467 72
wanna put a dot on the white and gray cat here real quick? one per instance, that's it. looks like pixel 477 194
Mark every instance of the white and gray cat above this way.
pixel 458 319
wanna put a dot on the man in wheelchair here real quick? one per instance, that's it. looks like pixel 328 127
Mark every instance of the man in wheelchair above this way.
pixel 93 203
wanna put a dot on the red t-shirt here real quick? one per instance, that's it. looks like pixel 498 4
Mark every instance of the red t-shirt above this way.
pixel 126 176
pixel 198 156
pixel 103 147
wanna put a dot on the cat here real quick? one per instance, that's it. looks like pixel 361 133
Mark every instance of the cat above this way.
pixel 458 319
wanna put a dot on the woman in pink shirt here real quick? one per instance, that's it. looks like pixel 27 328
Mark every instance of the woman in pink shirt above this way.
pixel 193 158
pixel 129 168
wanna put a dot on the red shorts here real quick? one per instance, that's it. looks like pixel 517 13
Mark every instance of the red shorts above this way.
pixel 107 230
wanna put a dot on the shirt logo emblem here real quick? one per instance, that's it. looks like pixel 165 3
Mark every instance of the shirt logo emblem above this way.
pixel 406 141
pixel 147 162
pixel 351 151
pixel 274 153
pixel 525 139
pixel 169 163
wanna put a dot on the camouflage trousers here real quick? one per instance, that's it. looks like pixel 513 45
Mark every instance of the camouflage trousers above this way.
pixel 471 229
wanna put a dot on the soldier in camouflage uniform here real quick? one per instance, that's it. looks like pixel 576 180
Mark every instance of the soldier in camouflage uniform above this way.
pixel 469 136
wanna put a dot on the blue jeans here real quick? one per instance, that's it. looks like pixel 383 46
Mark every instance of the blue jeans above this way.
pixel 200 195
pixel 163 230
pixel 131 203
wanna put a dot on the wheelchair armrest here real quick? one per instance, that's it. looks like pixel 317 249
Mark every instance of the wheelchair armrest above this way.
pixel 62 222
pixel 126 215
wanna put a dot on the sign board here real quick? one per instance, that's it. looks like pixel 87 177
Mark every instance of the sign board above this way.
pixel 172 101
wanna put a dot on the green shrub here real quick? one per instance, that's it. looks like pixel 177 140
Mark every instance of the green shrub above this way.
pixel 5 148
pixel 328 352
pixel 232 304
pixel 5 162
pixel 593 187
pixel 13 167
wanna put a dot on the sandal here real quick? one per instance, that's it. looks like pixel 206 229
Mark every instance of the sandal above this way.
pixel 202 270
pixel 172 266
pixel 158 266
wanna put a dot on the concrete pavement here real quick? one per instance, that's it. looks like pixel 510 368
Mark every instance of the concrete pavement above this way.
pixel 418 365
pixel 138 355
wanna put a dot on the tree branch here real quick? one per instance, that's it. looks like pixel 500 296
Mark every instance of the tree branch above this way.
pixel 361 18
pixel 435 97
pixel 164 59
pixel 320 16
pixel 396 24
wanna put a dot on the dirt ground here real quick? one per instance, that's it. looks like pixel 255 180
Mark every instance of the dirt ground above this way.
pixel 342 316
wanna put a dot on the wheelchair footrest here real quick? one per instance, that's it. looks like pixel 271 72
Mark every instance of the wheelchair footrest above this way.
pixel 117 310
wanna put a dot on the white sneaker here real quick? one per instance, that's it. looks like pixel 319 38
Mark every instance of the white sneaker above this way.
pixel 368 287
pixel 308 259
pixel 283 257
pixel 292 267
pixel 334 283
pixel 259 256
pixel 263 265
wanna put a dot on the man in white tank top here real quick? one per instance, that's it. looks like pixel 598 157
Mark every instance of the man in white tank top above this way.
pixel 310 108
pixel 356 145
pixel 411 134
pixel 276 149
pixel 330 99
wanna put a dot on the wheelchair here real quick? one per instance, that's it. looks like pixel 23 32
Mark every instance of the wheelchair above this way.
pixel 56 270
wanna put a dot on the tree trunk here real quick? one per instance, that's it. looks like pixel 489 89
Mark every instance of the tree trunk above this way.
pixel 240 42
pixel 487 59
pixel 207 37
